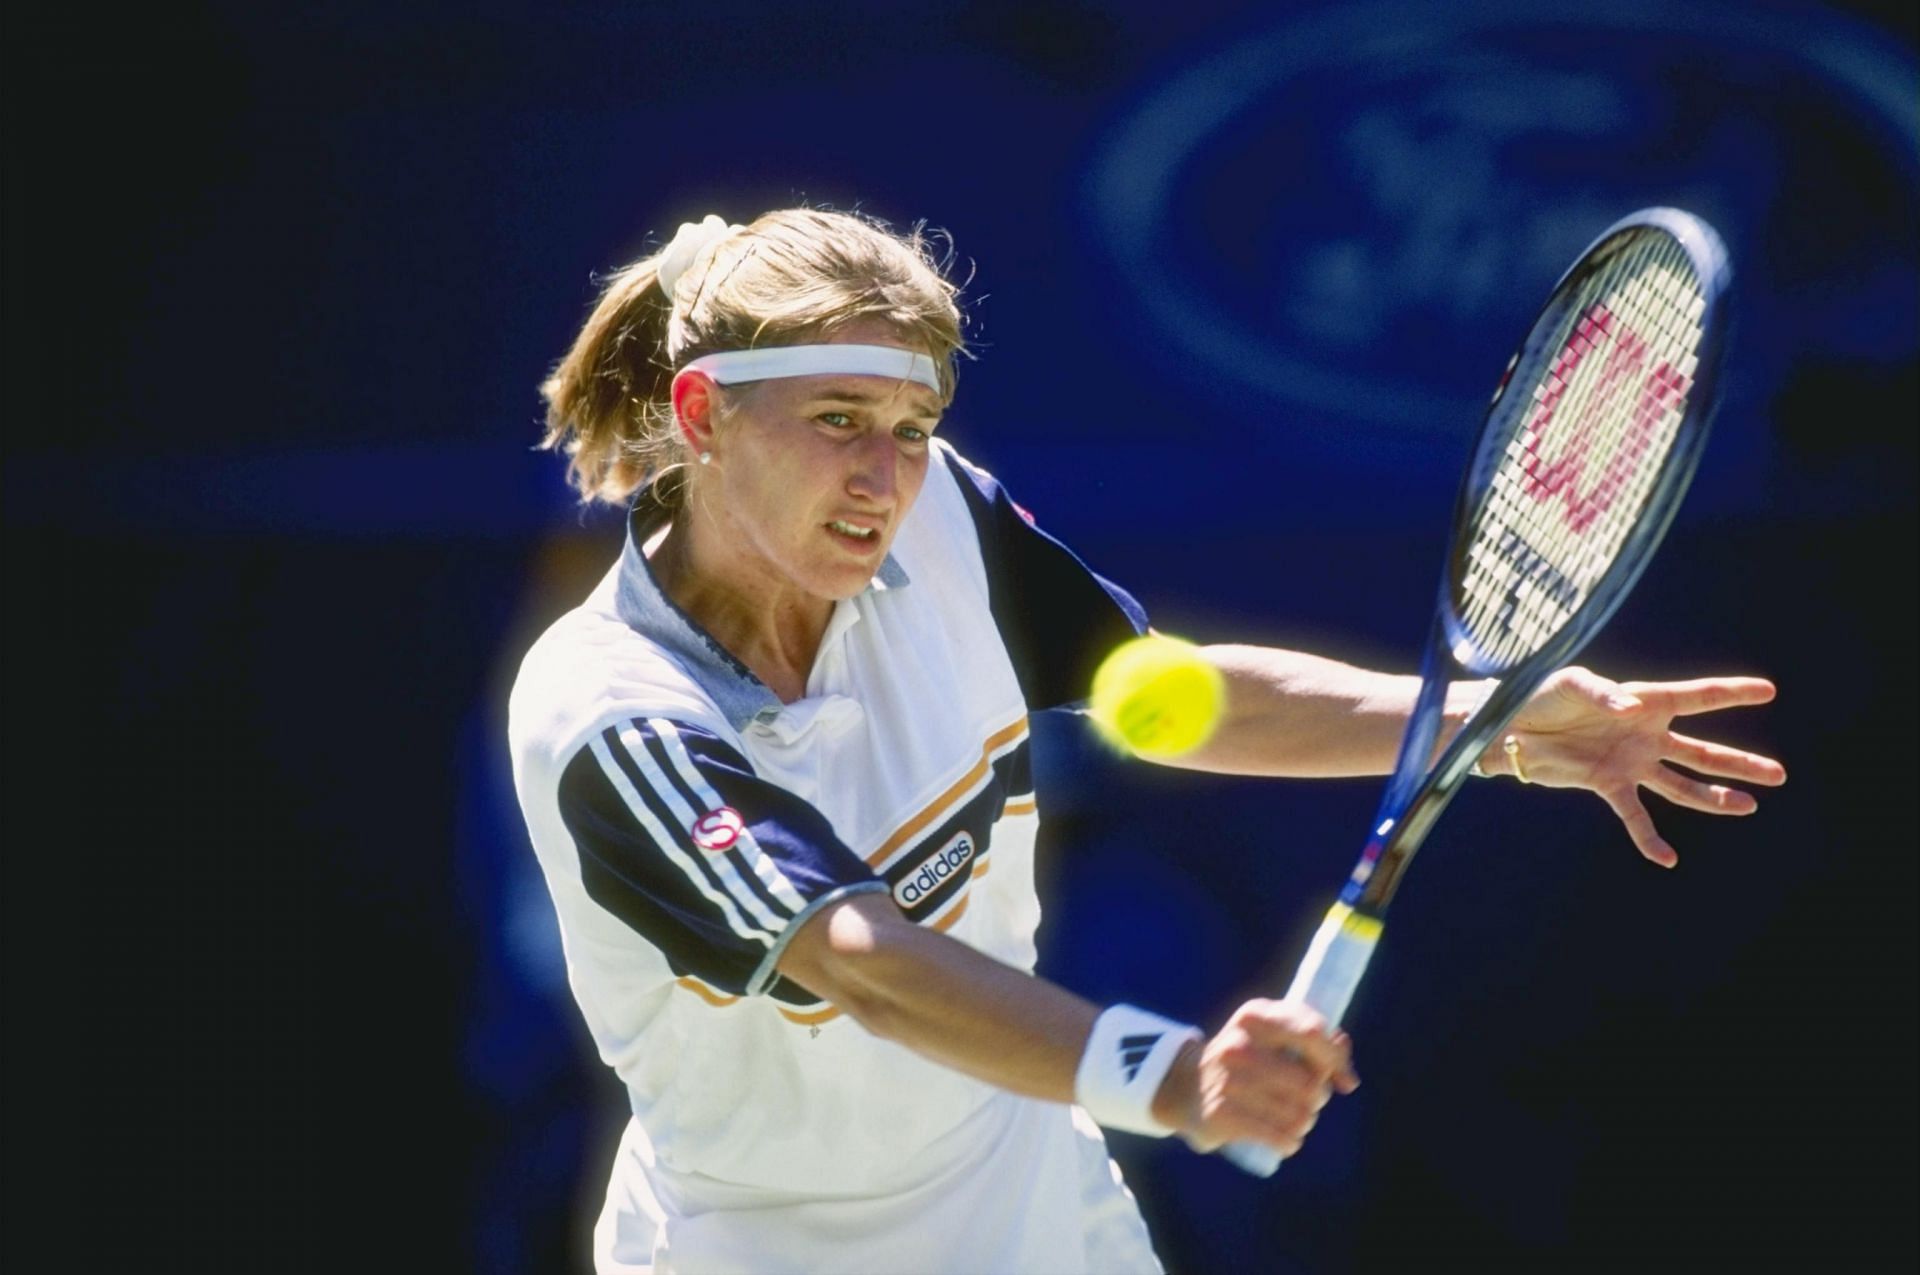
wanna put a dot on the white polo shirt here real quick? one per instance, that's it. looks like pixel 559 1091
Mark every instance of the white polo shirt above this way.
pixel 686 821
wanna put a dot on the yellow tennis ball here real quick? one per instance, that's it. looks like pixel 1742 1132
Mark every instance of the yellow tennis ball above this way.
pixel 1157 696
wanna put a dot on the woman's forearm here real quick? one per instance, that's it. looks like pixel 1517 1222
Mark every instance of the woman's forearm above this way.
pixel 943 999
pixel 1290 713
pixel 1263 1076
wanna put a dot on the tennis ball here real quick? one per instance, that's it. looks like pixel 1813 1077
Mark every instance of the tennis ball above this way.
pixel 1157 696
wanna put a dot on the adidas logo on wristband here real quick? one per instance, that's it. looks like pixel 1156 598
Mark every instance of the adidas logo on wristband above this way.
pixel 1128 1054
pixel 1134 1051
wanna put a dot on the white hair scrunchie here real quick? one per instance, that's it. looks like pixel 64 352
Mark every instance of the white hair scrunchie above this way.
pixel 686 245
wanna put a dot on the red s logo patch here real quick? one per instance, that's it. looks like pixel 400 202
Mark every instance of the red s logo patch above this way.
pixel 717 830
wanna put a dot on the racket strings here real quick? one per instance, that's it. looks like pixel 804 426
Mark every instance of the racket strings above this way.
pixel 1606 377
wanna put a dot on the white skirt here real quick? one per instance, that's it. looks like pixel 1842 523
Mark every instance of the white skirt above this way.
pixel 1023 1186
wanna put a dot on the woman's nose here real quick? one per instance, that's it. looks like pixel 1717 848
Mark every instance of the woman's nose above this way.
pixel 874 471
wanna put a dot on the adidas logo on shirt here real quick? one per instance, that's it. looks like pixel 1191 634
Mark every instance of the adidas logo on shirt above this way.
pixel 935 872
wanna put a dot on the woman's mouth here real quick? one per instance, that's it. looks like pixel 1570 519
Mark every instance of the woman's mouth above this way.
pixel 865 535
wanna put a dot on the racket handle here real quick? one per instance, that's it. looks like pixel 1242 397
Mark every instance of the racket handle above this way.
pixel 1256 1158
pixel 1328 977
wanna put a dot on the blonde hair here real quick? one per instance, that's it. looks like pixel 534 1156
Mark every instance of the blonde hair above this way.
pixel 790 277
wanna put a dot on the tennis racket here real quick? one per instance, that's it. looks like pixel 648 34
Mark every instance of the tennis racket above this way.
pixel 1587 449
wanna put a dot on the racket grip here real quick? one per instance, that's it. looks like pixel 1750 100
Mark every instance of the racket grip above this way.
pixel 1328 977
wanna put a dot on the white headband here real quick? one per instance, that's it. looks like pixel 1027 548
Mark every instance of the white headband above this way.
pixel 733 366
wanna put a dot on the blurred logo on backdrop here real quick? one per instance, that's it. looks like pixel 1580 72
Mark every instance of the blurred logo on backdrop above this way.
pixel 1357 211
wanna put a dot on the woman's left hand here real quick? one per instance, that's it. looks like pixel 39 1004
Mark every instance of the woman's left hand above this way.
pixel 1581 730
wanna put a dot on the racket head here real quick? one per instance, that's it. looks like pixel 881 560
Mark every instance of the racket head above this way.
pixel 1588 445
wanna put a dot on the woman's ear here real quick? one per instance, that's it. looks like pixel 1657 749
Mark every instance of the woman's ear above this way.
pixel 693 404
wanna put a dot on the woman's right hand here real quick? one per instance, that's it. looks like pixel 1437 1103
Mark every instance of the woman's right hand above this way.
pixel 1262 1078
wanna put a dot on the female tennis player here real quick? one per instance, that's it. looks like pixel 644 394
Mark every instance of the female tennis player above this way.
pixel 776 772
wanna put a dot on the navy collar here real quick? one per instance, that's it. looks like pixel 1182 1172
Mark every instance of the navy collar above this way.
pixel 645 607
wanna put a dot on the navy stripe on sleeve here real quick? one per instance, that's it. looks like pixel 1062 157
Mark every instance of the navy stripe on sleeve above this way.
pixel 695 795
pixel 673 823
pixel 1058 618
pixel 682 841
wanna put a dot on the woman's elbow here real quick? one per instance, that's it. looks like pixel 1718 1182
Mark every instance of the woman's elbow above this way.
pixel 851 956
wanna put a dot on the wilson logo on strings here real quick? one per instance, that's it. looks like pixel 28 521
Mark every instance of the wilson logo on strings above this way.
pixel 1590 482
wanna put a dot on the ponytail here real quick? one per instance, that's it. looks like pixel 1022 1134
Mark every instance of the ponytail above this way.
pixel 607 400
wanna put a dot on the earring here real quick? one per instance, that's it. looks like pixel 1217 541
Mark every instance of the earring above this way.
pixel 706 458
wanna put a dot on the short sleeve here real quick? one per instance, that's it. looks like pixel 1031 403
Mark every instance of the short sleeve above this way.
pixel 1057 617
pixel 710 863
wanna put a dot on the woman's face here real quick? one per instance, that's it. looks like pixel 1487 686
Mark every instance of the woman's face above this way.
pixel 812 476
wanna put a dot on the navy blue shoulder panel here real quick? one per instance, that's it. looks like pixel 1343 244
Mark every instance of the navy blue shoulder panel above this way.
pixel 680 839
pixel 1056 615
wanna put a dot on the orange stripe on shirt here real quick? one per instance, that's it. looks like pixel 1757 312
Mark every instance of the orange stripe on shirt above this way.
pixel 811 1017
pixel 938 806
pixel 954 913
pixel 1021 806
pixel 706 993
pixel 711 997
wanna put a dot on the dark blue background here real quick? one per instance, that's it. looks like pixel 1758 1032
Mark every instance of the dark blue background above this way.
pixel 282 984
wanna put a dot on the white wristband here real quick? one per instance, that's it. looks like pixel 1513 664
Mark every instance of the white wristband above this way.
pixel 1128 1054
